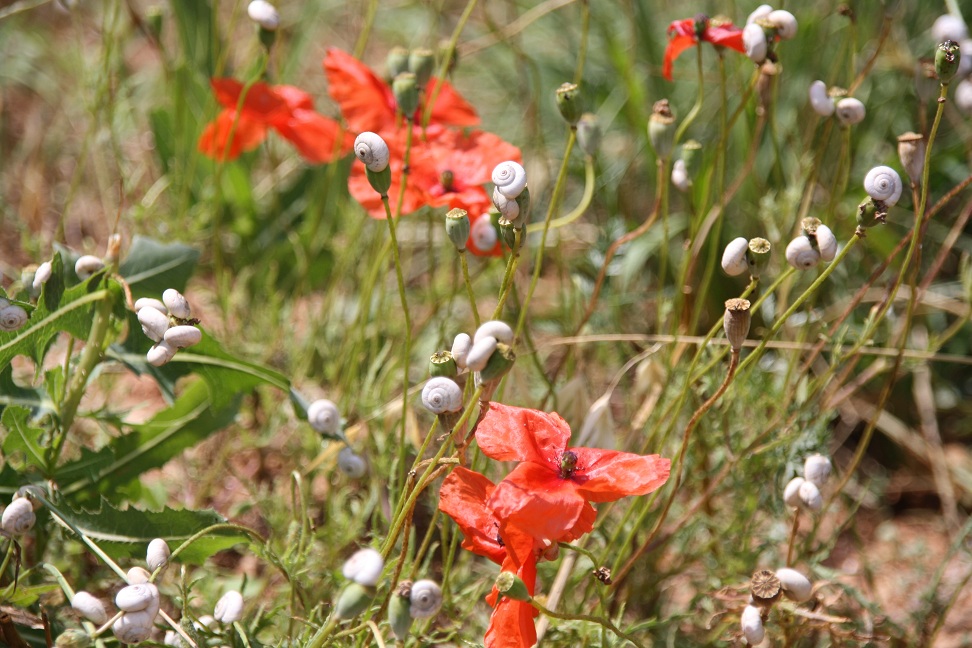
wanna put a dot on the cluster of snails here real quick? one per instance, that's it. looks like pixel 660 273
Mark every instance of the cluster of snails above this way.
pixel 227 611
pixel 421 599
pixel 766 588
pixel 168 323
pixel 764 27
pixel 488 353
pixel 511 197
pixel 816 244
pixel 324 416
pixel 19 518
pixel 848 110
pixel 804 492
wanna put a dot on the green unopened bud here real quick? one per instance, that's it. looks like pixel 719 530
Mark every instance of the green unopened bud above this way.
pixel 421 63
pixel 508 232
pixel 871 213
pixel 569 102
pixel 380 180
pixel 499 364
pixel 691 154
pixel 353 600
pixel 947 59
pixel 399 610
pixel 589 133
pixel 405 89
pixel 661 129
pixel 443 364
pixel 457 227
pixel 523 202
pixel 396 61
pixel 512 586
pixel 757 255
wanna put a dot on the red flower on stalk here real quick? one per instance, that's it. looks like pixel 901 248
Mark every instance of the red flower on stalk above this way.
pixel 549 493
pixel 683 34
pixel 286 109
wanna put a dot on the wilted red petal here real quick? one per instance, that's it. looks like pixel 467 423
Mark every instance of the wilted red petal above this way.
pixel 366 102
pixel 314 135
pixel 534 498
pixel 511 624
pixel 247 134
pixel 463 498
pixel 608 475
pixel 726 35
pixel 520 434
pixel 261 100
pixel 675 47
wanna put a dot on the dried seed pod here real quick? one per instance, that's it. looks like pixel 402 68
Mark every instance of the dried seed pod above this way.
pixel 177 304
pixel 736 322
pixel 882 183
pixel 911 152
pixel 324 416
pixel 801 254
pixel 12 317
pixel 765 588
pixel 441 395
pixel 821 102
pixel 661 129
pixel 180 337
pixel 496 329
pixel 138 597
pixel 87 265
pixel 157 554
pixel 133 627
pixel 816 469
pixel 89 607
pixel 510 179
pixel 810 497
pixel 364 567
pixel 734 261
pixel 460 349
pixel 425 598
pixel 791 493
pixel 154 323
pixel 480 352
pixel 826 243
pixel 752 625
pixel 160 353
pixel 18 518
pixel 229 607
pixel 796 586
pixel 850 111
pixel 150 302
pixel 351 464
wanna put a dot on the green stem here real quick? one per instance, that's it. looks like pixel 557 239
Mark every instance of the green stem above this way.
pixel 693 113
pixel 581 207
pixel 469 289
pixel 446 59
pixel 604 623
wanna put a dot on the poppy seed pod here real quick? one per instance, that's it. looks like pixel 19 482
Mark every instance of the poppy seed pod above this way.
pixel 364 567
pixel 73 638
pixel 352 601
pixel 817 469
pixel 796 586
pixel 421 63
pixel 691 153
pixel 911 152
pixel 947 58
pixel 523 204
pixel 758 255
pixel 570 102
pixel 443 364
pixel 589 133
pixel 396 61
pixel 405 89
pixel 399 610
pixel 499 363
pixel 765 588
pixel 457 227
pixel 736 322
pixel 512 586
pixel 661 129
pixel 507 230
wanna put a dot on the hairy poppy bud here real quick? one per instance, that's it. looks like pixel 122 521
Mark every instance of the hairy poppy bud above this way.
pixel 569 102
pixel 405 89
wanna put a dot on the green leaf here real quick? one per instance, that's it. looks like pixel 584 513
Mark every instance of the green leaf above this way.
pixel 194 19
pixel 37 399
pixel 21 439
pixel 26 596
pixel 150 267
pixel 126 533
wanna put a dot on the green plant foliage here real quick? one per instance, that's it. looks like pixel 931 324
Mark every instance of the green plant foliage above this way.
pixel 150 267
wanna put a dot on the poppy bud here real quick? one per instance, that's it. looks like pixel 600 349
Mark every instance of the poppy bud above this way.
pixel 523 203
pixel 736 322
pixel 352 601
pixel 765 588
pixel 499 364
pixel 947 59
pixel 457 227
pixel 399 610
pixel 421 63
pixel 589 133
pixel 911 150
pixel 443 365
pixel 869 214
pixel 508 232
pixel 511 586
pixel 396 61
pixel 758 255
pixel 405 89
pixel 569 103
pixel 661 129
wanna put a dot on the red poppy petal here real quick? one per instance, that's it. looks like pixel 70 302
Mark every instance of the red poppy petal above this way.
pixel 247 134
pixel 314 135
pixel 366 102
pixel 450 108
pixel 511 624
pixel 261 101
pixel 364 193
pixel 463 498
pixel 294 97
pixel 675 47
pixel 683 27
pixel 519 434
pixel 608 475
pixel 535 499
pixel 727 36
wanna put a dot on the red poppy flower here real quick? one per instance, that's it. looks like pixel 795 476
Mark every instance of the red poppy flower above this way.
pixel 286 109
pixel 368 103
pixel 683 34
pixel 362 191
pixel 549 493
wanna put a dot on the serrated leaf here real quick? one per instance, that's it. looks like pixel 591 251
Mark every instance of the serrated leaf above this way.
pixel 22 439
pixel 150 266
pixel 126 533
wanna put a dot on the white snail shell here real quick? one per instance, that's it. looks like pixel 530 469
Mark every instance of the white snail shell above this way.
pixel 751 622
pixel 508 207
pixel 850 111
pixel 479 353
pixel 795 585
pixel 509 178
pixel 150 302
pixel 138 575
pixel 821 102
pixel 483 235
pixel 759 12
pixel 12 317
pixel 948 27
pixel 963 96
pixel 87 265
pixel 41 275
pixel 172 638
pixel 791 493
pixel 160 354
pixel 324 416
pixel 826 243
pixel 734 260
pixel 801 254
pixel 426 599
pixel 816 469
pixel 18 518
pixel 182 336
pixel 229 607
pixel 461 346
pixel 364 567
pixel 157 554
pixel 351 464
pixel 494 328
pixel 89 607
pixel 883 183
pixel 441 395
pixel 177 304
pixel 133 627
pixel 680 177
pixel 785 23
pixel 154 323
pixel 754 39
pixel 810 497
pixel 205 621
pixel 371 149
pixel 138 597
pixel 264 14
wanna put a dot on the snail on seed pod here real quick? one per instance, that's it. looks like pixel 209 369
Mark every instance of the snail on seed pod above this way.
pixel 87 265
pixel 154 323
pixel 759 13
pixel 801 254
pixel 821 102
pixel 826 243
pixel 371 149
pixel 734 261
pixel 441 395
pixel 509 178
pixel 264 14
pixel 791 493
pixel 754 40
pixel 796 586
pixel 160 353
pixel 89 607
pixel 884 184
pixel 157 554
pixel 425 598
pixel 494 328
pixel 480 352
pixel 810 497
pixel 133 627
pixel 850 111
pixel 182 336
pixel 460 348
pixel 176 303
pixel 508 207
pixel 752 625
pixel 137 598
pixel 784 22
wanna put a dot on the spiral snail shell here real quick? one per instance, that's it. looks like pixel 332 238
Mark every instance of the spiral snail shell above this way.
pixel 154 323
pixel 426 599
pixel 508 207
pixel 483 235
pixel 785 23
pixel 12 317
pixel 795 585
pixel 137 575
pixel 821 102
pixel 509 178
pixel 18 518
pixel 264 14
pixel 460 348
pixel 479 354
pixel 816 469
pixel 883 183
pixel 157 554
pixel 89 607
pixel 734 260
pixel 441 395
pixel 754 40
pixel 801 254
pixel 371 149
pixel 826 243
pixel 323 416
pixel 229 607
pixel 133 627
pixel 364 567
pixel 850 111
pixel 791 493
pixel 351 464
pixel 751 622
pixel 680 178
pixel 494 328
pixel 138 597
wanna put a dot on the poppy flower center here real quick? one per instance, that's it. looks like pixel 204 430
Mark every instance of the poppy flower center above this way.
pixel 568 464
pixel 447 179
pixel 701 23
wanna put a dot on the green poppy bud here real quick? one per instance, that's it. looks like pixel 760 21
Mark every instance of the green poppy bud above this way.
pixel 569 102
pixel 589 133
pixel 405 89
pixel 869 214
pixel 397 61
pixel 511 586
pixel 380 180
pixel 757 255
pixel 442 364
pixel 421 63
pixel 523 202
pixel 153 20
pixel 947 59
pixel 661 129
pixel 457 227
pixel 508 232
pixel 450 53
pixel 499 364
pixel 352 601
pixel 399 611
